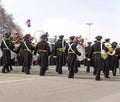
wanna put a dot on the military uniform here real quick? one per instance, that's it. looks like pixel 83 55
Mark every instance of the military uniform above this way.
pixel 6 46
pixel 71 52
pixel 59 53
pixel 88 61
pixel 27 48
pixel 43 50
pixel 115 59
pixel 96 50
pixel 106 62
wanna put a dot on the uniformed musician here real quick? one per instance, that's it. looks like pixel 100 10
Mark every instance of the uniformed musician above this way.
pixel 96 50
pixel 43 49
pixel 72 53
pixel 59 53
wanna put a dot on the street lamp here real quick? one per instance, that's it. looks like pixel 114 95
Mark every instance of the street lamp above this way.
pixel 89 24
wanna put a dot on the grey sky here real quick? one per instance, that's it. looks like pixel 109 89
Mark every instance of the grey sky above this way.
pixel 68 17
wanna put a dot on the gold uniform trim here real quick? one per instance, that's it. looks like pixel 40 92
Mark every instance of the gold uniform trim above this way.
pixel 43 51
pixel 60 49
pixel 5 49
pixel 97 52
pixel 71 52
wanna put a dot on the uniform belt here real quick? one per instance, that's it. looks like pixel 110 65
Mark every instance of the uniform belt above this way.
pixel 43 51
pixel 116 55
pixel 60 49
pixel 97 52
pixel 5 49
pixel 71 52
pixel 26 49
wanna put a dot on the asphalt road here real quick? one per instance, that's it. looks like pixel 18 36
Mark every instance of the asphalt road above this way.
pixel 18 87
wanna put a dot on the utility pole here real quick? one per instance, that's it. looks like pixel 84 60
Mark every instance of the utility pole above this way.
pixel 89 24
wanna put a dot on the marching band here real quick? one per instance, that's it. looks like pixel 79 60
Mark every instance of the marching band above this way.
pixel 102 56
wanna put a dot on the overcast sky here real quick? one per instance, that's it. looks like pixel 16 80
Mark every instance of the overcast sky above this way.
pixel 68 17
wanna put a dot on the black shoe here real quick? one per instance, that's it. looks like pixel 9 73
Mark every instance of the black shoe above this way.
pixel 107 77
pixel 97 78
pixel 56 70
pixel 70 76
pixel 41 74
pixel 75 71
pixel 94 73
pixel 114 74
pixel 88 70
pixel 60 72
pixel 22 71
pixel 28 73
pixel 8 71
pixel 3 72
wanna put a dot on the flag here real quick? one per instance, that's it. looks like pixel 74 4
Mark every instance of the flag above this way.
pixel 4 30
pixel 28 22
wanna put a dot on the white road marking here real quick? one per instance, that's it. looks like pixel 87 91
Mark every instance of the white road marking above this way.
pixel 20 80
pixel 13 81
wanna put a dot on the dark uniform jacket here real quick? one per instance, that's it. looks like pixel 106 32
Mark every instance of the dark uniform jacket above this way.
pixel 59 51
pixel 88 50
pixel 71 56
pixel 43 50
pixel 6 51
pixel 96 52
pixel 27 55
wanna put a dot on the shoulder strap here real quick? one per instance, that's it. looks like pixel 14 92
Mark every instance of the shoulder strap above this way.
pixel 63 44
pixel 70 47
pixel 27 47
pixel 8 47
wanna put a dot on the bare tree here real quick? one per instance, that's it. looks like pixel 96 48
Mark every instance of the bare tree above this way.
pixel 7 20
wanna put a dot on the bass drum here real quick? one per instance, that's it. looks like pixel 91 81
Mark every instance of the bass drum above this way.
pixel 81 49
pixel 37 35
pixel 1 54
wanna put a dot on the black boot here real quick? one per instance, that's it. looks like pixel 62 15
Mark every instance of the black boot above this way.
pixel 23 69
pixel 88 70
pixel 28 70
pixel 3 69
pixel 42 72
pixel 10 67
pixel 71 75
pixel 97 78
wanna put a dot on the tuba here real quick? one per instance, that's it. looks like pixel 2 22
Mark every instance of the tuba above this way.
pixel 104 55
pixel 111 51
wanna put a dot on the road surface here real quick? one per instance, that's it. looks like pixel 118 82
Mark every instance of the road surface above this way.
pixel 18 87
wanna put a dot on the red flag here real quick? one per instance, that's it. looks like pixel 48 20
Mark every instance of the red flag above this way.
pixel 28 22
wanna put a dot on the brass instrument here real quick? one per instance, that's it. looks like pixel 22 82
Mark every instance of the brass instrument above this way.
pixel 104 55
pixel 111 51
pixel 17 38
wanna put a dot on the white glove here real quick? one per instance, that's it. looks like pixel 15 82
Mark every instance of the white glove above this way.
pixel 88 59
pixel 54 56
